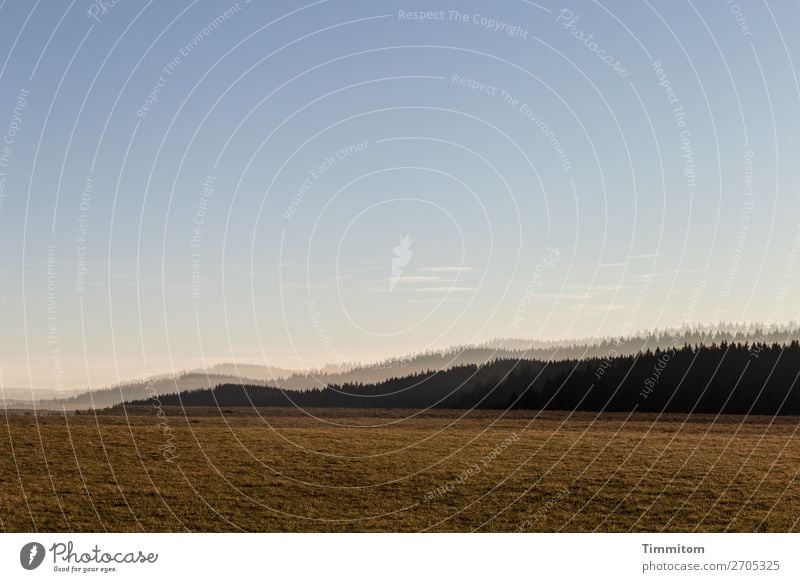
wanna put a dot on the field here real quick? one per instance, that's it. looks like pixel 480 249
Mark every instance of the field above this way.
pixel 396 470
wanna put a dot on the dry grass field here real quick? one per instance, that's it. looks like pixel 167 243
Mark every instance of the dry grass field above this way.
pixel 397 470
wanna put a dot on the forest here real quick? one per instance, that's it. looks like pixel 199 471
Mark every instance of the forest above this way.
pixel 726 378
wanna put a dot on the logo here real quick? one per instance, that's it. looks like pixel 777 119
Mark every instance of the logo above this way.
pixel 32 555
pixel 402 254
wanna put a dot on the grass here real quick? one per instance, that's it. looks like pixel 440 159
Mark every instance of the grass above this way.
pixel 397 470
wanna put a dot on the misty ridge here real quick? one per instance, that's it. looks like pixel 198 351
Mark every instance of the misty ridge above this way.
pixel 424 364
pixel 726 378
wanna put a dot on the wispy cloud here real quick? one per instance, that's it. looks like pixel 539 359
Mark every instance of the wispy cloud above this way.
pixel 447 269
pixel 433 289
pixel 562 296
pixel 611 265
pixel 594 288
pixel 616 264
pixel 444 289
pixel 673 272
pixel 647 276
pixel 417 279
pixel 602 307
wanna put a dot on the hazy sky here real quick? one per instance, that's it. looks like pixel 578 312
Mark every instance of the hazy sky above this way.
pixel 288 183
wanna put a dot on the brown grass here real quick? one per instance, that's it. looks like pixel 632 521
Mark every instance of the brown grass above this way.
pixel 389 470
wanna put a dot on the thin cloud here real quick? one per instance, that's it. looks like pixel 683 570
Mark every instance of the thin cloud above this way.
pixel 447 269
pixel 562 296
pixel 611 265
pixel 416 279
pixel 435 289
pixel 594 288
pixel 602 307
pixel 666 273
pixel 444 289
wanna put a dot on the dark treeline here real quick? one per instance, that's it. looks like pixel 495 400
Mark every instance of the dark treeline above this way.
pixel 725 378
pixel 440 388
pixel 425 362
pixel 729 378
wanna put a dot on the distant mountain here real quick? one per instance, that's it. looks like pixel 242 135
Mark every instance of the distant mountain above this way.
pixel 24 394
pixel 137 391
pixel 421 390
pixel 253 371
pixel 277 377
pixel 738 378
pixel 521 349
pixel 431 361
pixel 663 338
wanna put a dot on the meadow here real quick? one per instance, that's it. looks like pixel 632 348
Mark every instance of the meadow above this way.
pixel 143 469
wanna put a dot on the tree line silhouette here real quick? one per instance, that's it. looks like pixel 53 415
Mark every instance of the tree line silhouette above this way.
pixel 422 362
pixel 727 378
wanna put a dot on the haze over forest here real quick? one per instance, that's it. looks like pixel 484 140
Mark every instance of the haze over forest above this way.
pixel 509 350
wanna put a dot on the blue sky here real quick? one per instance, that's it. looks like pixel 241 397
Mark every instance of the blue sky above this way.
pixel 192 182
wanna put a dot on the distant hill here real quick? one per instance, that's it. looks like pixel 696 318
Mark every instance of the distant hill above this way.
pixel 9 394
pixel 424 389
pixel 663 338
pixel 136 391
pixel 431 361
pixel 521 349
pixel 255 371
pixel 278 377
pixel 739 378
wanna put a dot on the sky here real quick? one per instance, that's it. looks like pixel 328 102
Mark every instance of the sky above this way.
pixel 186 183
